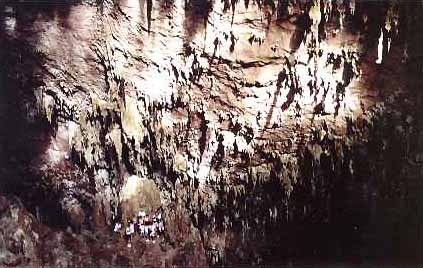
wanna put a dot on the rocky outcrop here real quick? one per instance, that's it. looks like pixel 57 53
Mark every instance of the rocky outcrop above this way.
pixel 19 241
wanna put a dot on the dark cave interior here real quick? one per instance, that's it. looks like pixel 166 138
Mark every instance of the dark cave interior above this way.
pixel 268 133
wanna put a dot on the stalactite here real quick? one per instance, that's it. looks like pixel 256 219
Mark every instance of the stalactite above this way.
pixel 380 49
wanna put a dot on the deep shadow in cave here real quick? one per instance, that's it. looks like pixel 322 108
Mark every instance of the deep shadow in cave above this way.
pixel 25 132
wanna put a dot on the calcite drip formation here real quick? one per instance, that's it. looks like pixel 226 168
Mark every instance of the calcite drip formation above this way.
pixel 230 130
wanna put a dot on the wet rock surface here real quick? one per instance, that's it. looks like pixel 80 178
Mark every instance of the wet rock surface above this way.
pixel 269 132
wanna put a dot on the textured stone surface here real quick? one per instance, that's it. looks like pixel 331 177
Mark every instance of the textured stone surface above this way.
pixel 266 128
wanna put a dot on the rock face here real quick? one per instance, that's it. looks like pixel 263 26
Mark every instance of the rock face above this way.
pixel 139 194
pixel 19 238
pixel 25 242
pixel 267 131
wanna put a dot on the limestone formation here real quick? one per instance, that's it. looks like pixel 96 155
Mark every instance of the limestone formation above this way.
pixel 263 129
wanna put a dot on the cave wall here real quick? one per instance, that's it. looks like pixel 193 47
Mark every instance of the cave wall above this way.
pixel 201 97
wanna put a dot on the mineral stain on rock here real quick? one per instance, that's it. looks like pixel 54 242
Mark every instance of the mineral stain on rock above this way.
pixel 253 133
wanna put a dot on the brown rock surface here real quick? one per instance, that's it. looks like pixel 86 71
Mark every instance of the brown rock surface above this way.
pixel 265 130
